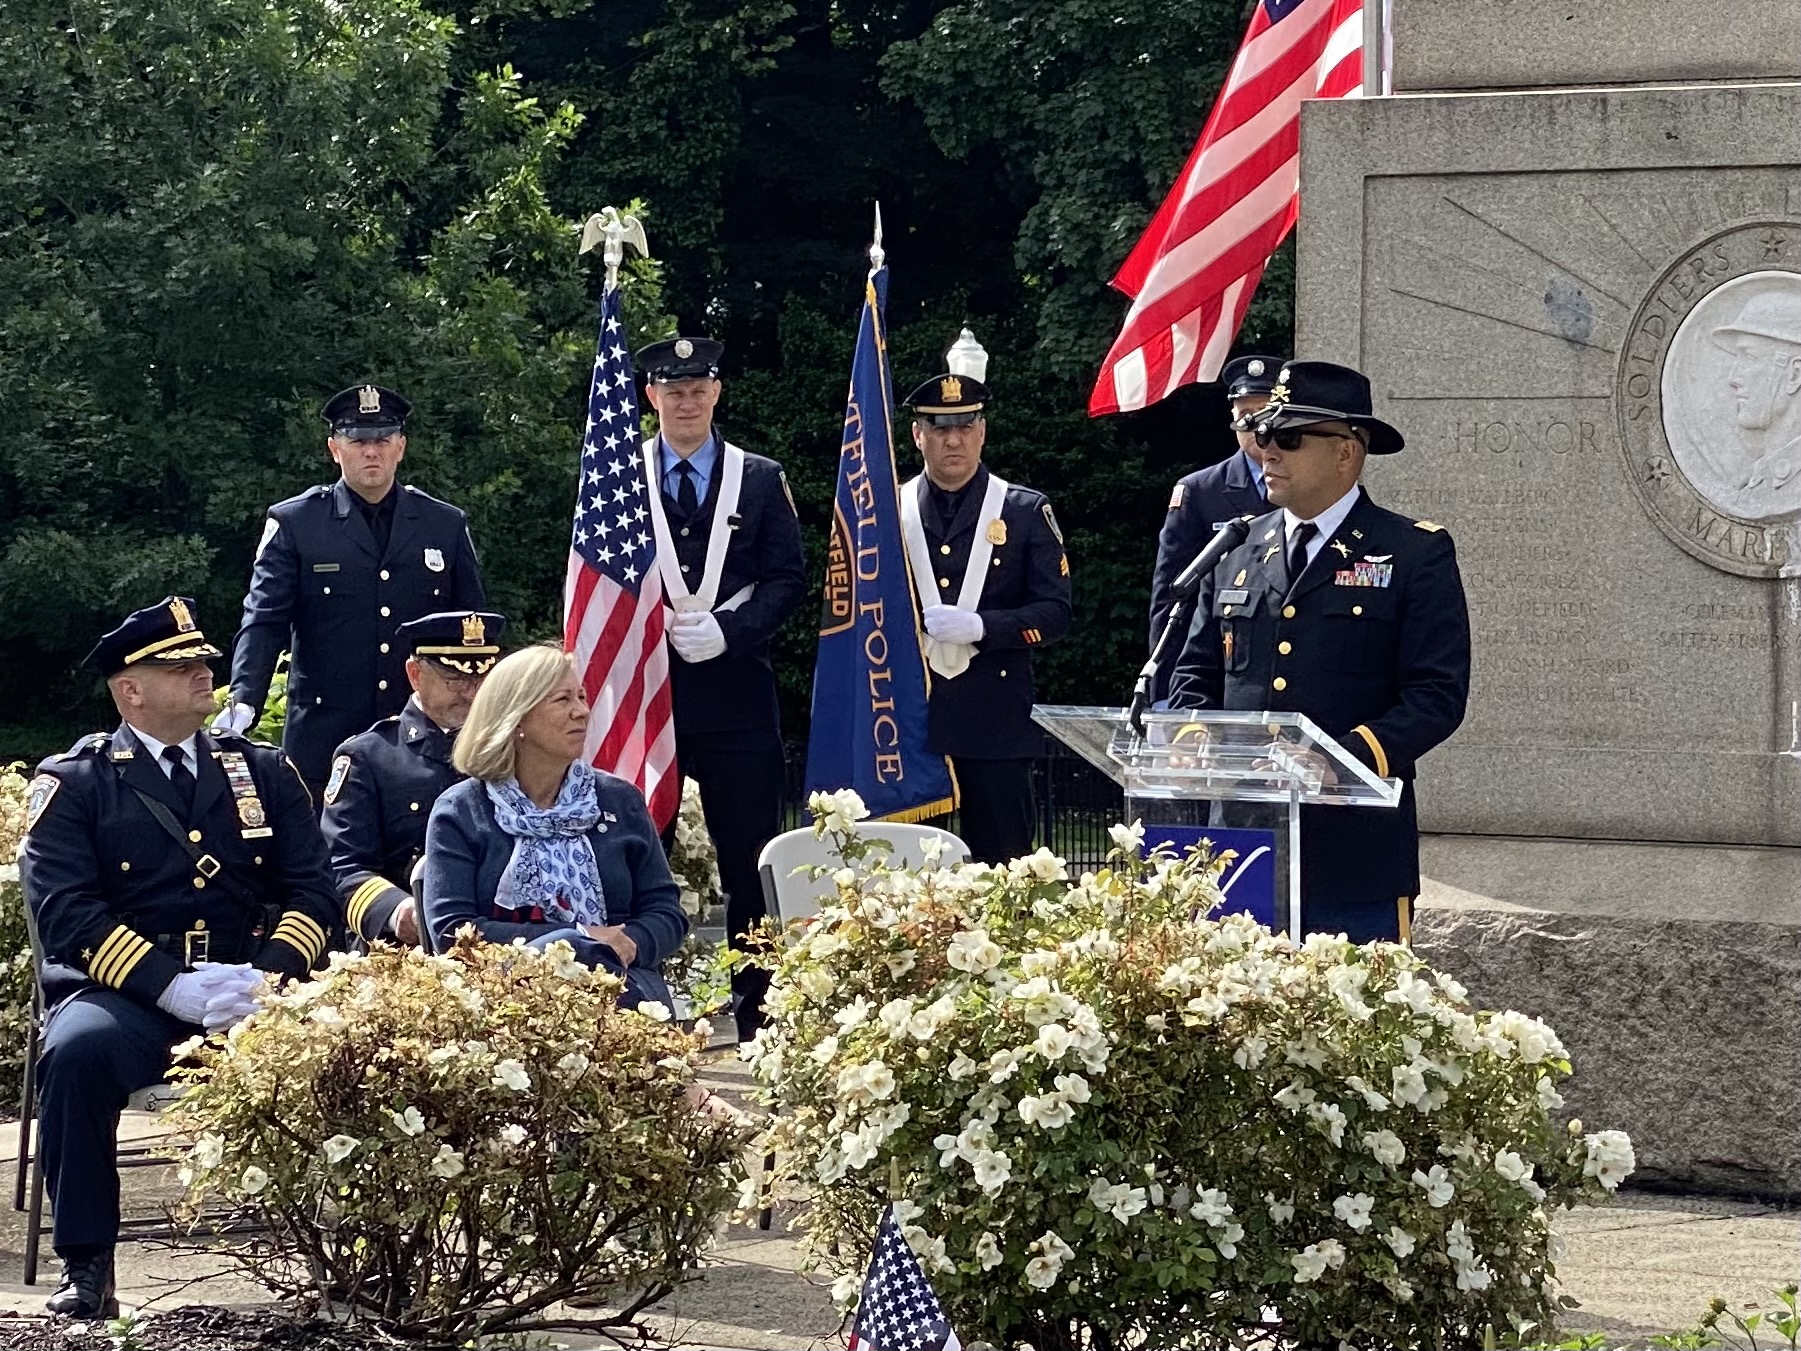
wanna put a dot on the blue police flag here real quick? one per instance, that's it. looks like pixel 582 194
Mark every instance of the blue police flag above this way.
pixel 869 684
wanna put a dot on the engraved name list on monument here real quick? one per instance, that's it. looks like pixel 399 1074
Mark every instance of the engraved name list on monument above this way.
pixel 1599 375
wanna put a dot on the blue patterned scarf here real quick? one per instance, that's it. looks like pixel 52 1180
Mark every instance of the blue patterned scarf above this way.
pixel 552 867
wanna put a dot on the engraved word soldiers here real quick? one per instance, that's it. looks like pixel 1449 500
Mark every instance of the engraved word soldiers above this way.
pixel 167 871
pixel 993 580
pixel 339 570
pixel 729 549
pixel 384 781
pixel 1351 614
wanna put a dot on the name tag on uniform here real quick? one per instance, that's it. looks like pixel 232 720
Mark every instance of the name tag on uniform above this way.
pixel 1235 596
pixel 326 567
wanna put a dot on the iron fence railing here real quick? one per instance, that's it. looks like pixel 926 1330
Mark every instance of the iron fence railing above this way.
pixel 1076 803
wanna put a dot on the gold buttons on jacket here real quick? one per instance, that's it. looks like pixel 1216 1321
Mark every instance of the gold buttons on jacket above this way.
pixel 1356 609
pixel 1288 612
pixel 1279 683
pixel 194 835
pixel 413 805
pixel 944 548
pixel 385 612
pixel 384 647
pixel 199 884
pixel 381 684
pixel 384 574
pixel 944 581
pixel 1285 647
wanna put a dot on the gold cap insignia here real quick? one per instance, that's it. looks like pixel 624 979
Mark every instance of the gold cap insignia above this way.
pixel 475 632
pixel 950 389
pixel 368 399
pixel 683 348
pixel 184 618
pixel 1279 394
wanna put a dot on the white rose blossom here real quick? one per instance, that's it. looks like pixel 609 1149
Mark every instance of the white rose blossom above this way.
pixel 1313 1261
pixel 1436 1184
pixel 1049 1253
pixel 1354 1210
pixel 447 1163
pixel 1609 1158
pixel 409 1122
pixel 974 951
pixel 1399 1241
pixel 1386 1146
pixel 253 1180
pixel 209 1151
pixel 339 1148
pixel 1129 839
pixel 988 1251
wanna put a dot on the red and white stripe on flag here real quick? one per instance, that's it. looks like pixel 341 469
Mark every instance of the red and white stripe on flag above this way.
pixel 613 618
pixel 1192 274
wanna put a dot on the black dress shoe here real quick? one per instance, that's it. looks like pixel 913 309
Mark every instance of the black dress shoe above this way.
pixel 87 1289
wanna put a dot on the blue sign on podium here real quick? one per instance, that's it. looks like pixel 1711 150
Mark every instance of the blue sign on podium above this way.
pixel 1249 881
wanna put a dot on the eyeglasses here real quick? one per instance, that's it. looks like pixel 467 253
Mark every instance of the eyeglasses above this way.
pixel 1290 438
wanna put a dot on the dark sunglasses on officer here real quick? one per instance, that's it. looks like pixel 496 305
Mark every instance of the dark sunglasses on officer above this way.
pixel 1291 438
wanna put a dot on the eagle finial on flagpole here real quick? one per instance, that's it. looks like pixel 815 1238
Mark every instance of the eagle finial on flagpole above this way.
pixel 877 257
pixel 613 231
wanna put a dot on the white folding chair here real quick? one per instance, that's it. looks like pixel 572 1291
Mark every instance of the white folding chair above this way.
pixel 793 895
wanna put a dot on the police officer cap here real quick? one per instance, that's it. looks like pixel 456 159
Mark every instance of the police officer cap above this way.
pixel 1310 392
pixel 681 359
pixel 1248 375
pixel 466 641
pixel 948 400
pixel 366 412
pixel 162 635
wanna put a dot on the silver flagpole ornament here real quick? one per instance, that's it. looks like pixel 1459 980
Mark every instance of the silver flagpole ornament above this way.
pixel 967 358
pixel 876 256
pixel 613 232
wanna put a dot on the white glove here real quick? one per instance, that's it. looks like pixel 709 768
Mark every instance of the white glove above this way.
pixel 697 635
pixel 236 718
pixel 948 624
pixel 189 995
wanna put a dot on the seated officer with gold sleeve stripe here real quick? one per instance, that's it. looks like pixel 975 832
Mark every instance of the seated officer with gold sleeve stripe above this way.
pixel 384 781
pixel 167 871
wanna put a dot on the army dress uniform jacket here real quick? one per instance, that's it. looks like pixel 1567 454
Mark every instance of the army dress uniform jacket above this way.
pixel 320 589
pixel 1373 644
pixel 379 797
pixel 736 690
pixel 985 713
pixel 117 902
pixel 1199 505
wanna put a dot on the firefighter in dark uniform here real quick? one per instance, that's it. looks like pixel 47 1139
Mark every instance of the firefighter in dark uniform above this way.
pixel 384 781
pixel 339 570
pixel 1351 614
pixel 728 546
pixel 1205 500
pixel 167 871
pixel 993 581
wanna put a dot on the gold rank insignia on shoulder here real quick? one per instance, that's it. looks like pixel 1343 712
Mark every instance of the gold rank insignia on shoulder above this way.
pixel 997 531
pixel 1239 579
pixel 1429 526
pixel 1175 496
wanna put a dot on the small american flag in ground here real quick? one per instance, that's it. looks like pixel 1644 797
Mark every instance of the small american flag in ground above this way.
pixel 1192 274
pixel 613 594
pixel 898 1311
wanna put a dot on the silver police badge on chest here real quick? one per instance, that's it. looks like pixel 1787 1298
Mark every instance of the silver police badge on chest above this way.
pixel 434 560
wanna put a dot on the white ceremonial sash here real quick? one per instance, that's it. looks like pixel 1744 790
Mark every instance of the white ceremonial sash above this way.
pixel 731 483
pixel 949 660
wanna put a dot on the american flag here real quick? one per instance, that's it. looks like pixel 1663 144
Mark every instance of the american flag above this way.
pixel 613 593
pixel 898 1311
pixel 1192 274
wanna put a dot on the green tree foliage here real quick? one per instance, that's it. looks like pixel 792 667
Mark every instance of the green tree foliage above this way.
pixel 212 215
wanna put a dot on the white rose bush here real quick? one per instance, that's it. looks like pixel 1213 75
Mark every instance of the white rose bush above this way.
pixel 448 1145
pixel 1107 1118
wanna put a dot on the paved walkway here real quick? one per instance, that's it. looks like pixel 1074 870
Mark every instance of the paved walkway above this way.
pixel 1643 1265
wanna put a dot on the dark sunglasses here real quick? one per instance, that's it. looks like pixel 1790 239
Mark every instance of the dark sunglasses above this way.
pixel 1290 438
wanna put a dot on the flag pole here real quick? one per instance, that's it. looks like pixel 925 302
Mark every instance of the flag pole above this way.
pixel 611 231
pixel 878 258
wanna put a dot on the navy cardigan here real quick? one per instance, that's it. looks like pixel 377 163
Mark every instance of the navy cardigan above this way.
pixel 466 851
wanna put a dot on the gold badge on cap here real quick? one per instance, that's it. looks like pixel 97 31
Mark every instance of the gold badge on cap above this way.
pixel 475 632
pixel 1255 368
pixel 683 348
pixel 997 531
pixel 368 399
pixel 950 389
pixel 184 618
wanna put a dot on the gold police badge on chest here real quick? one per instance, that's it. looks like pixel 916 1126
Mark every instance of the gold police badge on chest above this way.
pixel 997 531
pixel 253 821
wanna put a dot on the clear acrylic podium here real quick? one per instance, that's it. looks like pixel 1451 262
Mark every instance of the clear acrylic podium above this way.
pixel 1189 768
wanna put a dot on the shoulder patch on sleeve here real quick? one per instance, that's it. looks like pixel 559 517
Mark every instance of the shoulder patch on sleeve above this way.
pixel 1432 526
pixel 340 769
pixel 1050 519
pixel 1175 495
pixel 37 797
pixel 788 492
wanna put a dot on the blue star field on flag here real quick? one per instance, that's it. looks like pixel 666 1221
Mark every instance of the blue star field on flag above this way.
pixel 612 524
pixel 898 1310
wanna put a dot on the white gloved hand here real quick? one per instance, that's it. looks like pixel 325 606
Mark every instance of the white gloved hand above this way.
pixel 187 996
pixel 228 1007
pixel 697 635
pixel 236 718
pixel 948 624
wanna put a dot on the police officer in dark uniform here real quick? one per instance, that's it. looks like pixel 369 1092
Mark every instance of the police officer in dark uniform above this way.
pixel 339 570
pixel 1351 614
pixel 166 870
pixel 1205 500
pixel 384 781
pixel 993 581
pixel 728 546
